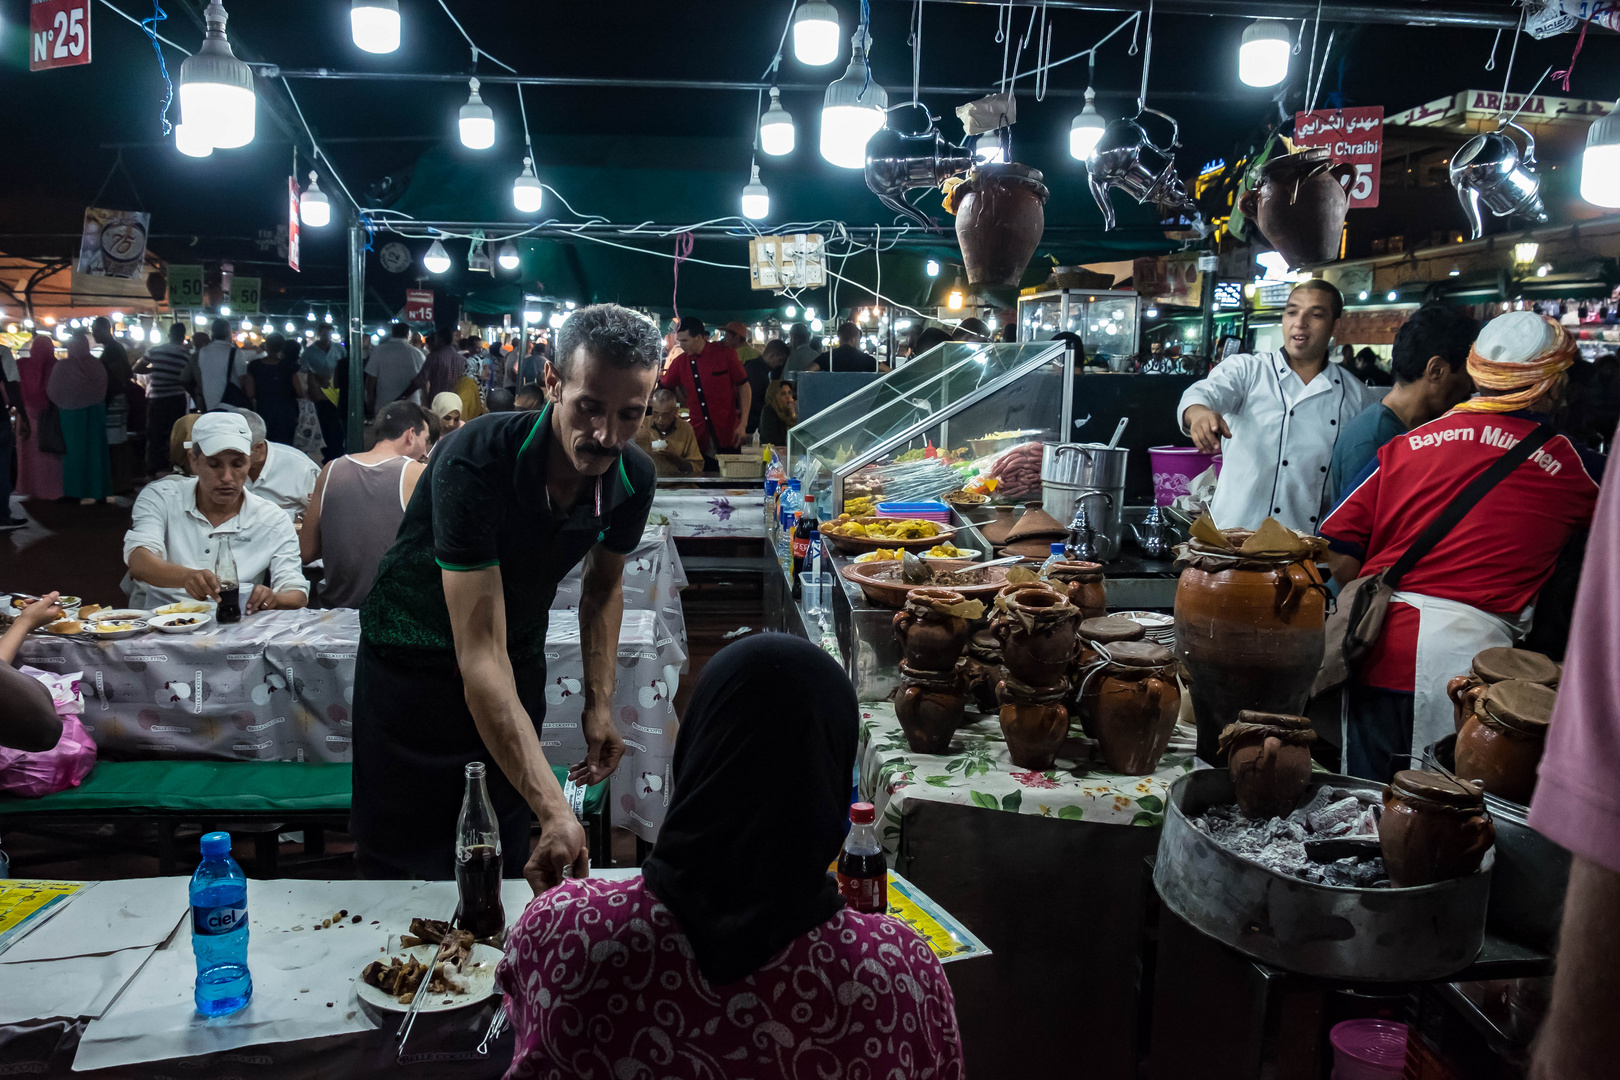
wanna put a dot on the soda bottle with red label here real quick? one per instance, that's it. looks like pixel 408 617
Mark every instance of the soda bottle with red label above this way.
pixel 863 874
pixel 806 538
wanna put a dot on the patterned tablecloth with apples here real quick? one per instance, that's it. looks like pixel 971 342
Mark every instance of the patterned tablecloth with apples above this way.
pixel 279 685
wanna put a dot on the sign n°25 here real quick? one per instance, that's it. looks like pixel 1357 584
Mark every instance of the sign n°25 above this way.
pixel 58 34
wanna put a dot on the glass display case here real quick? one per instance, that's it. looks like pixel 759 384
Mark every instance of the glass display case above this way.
pixel 966 398
pixel 1106 321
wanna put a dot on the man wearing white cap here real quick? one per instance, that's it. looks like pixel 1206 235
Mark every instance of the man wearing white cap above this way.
pixel 1476 588
pixel 173 543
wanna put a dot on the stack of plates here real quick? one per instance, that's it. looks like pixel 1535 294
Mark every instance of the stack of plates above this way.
pixel 1161 629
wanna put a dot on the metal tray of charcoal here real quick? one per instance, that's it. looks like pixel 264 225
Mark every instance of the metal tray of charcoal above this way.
pixel 1328 931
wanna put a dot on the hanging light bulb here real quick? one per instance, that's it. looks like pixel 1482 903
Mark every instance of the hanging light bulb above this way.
pixel 790 311
pixel 313 208
pixel 154 336
pixel 225 310
pixel 1087 128
pixel 477 121
pixel 776 128
pixel 190 140
pixel 954 300
pixel 375 25
pixel 853 110
pixel 216 89
pixel 327 318
pixel 1600 162
pixel 508 258
pixel 247 324
pixel 1263 56
pixel 527 194
pixel 265 329
pixel 987 149
pixel 437 260
pixel 933 268
pixel 815 33
pixel 756 198
pixel 309 316
pixel 817 325
pixel 288 328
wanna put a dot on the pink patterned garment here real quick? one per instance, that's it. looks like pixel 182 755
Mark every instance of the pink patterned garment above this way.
pixel 601 984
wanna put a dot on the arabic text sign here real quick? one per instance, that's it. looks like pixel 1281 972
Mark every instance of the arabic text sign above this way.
pixel 1352 136
pixel 418 305
pixel 58 34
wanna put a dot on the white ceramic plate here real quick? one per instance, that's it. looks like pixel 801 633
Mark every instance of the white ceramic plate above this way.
pixel 169 623
pixel 112 631
pixel 17 601
pixel 187 607
pixel 478 973
pixel 962 553
pixel 120 615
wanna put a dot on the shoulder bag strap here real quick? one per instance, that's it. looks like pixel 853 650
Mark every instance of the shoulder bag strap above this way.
pixel 1465 501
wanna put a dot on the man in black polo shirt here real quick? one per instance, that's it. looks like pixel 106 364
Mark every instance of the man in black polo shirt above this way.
pixel 452 646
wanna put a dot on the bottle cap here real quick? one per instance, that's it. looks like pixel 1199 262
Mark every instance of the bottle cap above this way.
pixel 862 813
pixel 216 843
pixel 1057 549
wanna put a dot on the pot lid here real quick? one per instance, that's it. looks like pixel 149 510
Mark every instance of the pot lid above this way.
pixel 1111 628
pixel 1516 703
pixel 1139 654
pixel 1036 523
pixel 1270 719
pixel 1075 570
pixel 1433 787
pixel 1498 665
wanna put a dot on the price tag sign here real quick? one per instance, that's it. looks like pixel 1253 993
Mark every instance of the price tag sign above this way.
pixel 185 286
pixel 418 305
pixel 58 34
pixel 1352 136
pixel 244 296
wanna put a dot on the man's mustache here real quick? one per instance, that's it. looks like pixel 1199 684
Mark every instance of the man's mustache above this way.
pixel 596 449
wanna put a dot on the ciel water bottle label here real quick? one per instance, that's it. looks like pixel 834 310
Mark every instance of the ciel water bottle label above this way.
pixel 218 920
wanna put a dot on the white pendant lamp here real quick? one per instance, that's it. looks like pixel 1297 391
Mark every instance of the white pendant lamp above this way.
pixel 756 198
pixel 527 194
pixel 776 128
pixel 216 89
pixel 1263 56
pixel 437 260
pixel 815 33
pixel 987 149
pixel 508 258
pixel 477 121
pixel 313 208
pixel 375 25
pixel 853 110
pixel 933 268
pixel 190 141
pixel 1600 162
pixel 1087 128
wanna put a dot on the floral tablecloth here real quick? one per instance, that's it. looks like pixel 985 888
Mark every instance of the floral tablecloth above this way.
pixel 713 512
pixel 979 772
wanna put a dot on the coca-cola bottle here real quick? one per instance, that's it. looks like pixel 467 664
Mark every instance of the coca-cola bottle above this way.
pixel 863 874
pixel 230 590
pixel 478 861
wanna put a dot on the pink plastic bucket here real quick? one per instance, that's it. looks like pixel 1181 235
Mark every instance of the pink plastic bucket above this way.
pixel 1174 468
pixel 1368 1050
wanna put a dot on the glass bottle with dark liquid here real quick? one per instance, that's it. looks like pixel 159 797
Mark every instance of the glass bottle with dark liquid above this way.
pixel 863 873
pixel 478 862
pixel 230 591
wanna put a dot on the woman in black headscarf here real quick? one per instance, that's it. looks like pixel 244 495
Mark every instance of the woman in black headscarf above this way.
pixel 735 943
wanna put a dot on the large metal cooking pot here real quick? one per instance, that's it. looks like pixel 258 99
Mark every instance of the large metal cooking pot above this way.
pixel 1378 935
pixel 1092 475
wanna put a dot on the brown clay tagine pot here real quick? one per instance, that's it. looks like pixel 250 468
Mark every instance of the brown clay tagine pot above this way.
pixel 1501 744
pixel 929 706
pixel 933 627
pixel 1107 632
pixel 1034 721
pixel 1137 704
pixel 1433 828
pixel 995 531
pixel 1082 583
pixel 1037 629
pixel 1269 758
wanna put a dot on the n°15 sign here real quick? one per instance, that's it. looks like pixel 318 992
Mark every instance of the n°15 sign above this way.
pixel 58 34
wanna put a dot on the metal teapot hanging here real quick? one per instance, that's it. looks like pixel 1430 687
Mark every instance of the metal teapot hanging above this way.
pixel 1125 158
pixel 1488 170
pixel 897 162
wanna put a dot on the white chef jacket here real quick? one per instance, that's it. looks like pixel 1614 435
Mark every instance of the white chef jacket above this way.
pixel 287 479
pixel 167 523
pixel 1283 432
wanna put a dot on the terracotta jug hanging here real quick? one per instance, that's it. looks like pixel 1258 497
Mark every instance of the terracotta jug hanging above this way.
pixel 1300 203
pixel 1000 217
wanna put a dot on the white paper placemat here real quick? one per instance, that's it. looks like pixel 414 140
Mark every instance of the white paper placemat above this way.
pixel 73 987
pixel 106 917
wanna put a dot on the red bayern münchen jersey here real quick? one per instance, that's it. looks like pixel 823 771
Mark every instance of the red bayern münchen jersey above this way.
pixel 1497 557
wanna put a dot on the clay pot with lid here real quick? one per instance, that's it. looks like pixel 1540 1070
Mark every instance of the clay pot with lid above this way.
pixel 982 670
pixel 1034 721
pixel 1269 758
pixel 931 637
pixel 1082 583
pixel 1300 203
pixel 1433 828
pixel 1000 216
pixel 1107 631
pixel 1137 704
pixel 1249 630
pixel 929 706
pixel 995 531
pixel 1035 533
pixel 1037 630
pixel 1493 666
pixel 1501 743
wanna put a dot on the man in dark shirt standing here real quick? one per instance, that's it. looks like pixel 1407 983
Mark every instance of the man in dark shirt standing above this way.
pixel 761 370
pixel 452 667
pixel 165 394
pixel 710 381
pixel 846 355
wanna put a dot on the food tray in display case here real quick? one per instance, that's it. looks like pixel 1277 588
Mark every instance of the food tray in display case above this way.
pixel 911 435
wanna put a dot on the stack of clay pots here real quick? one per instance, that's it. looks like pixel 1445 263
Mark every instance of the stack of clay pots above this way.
pixel 1493 666
pixel 933 630
pixel 1106 632
pixel 982 669
pixel 1037 629
pixel 1082 583
pixel 1137 703
pixel 1269 757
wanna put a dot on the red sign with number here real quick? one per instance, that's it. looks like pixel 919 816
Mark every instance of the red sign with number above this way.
pixel 418 305
pixel 58 34
pixel 1353 136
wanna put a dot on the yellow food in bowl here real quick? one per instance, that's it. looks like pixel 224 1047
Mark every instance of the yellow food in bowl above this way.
pixel 945 551
pixel 111 627
pixel 883 528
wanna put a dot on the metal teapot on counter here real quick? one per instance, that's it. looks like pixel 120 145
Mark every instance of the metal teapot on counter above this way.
pixel 1125 158
pixel 1488 170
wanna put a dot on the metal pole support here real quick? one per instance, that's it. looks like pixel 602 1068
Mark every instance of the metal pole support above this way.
pixel 357 339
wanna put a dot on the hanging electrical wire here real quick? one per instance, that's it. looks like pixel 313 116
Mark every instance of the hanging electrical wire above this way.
pixel 149 24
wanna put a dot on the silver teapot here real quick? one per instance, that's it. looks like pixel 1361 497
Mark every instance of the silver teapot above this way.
pixel 1125 158
pixel 1488 170
pixel 897 162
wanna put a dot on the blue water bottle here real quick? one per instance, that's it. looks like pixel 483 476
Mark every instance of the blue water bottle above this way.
pixel 219 929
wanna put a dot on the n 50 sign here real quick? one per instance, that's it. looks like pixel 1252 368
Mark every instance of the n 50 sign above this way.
pixel 58 34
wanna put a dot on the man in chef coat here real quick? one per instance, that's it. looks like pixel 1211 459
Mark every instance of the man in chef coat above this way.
pixel 1276 417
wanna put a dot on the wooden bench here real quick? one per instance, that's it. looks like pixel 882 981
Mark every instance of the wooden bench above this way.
pixel 270 797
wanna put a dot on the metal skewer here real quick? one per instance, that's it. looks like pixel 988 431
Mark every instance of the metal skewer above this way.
pixel 406 1024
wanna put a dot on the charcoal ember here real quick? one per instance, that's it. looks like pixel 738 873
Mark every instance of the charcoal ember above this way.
pixel 1367 823
pixel 1344 811
pixel 1332 815
pixel 1371 874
